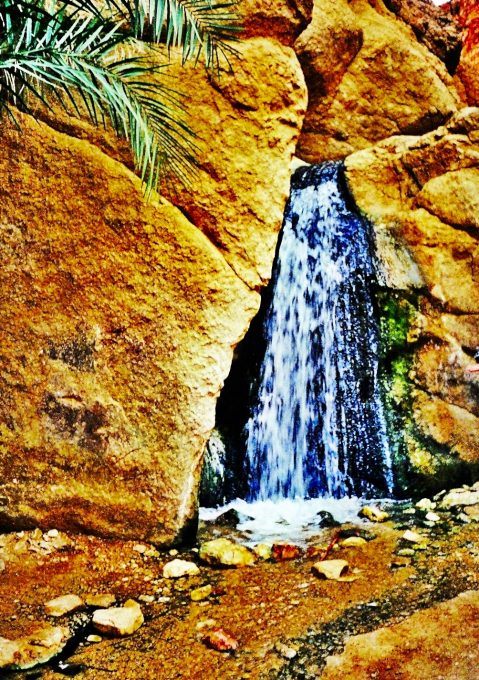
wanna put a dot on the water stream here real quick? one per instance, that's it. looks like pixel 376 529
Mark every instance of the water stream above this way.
pixel 317 428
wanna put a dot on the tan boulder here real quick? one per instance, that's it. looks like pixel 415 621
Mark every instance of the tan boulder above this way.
pixel 119 318
pixel 377 80
pixel 420 193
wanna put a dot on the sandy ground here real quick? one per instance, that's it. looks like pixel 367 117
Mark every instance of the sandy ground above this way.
pixel 403 633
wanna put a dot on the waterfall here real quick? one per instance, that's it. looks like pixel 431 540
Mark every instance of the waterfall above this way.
pixel 317 428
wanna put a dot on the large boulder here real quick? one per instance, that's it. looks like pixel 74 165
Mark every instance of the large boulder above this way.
pixel 369 77
pixel 119 317
pixel 420 193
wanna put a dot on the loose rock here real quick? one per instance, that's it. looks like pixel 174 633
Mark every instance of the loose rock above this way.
pixel 285 551
pixel 38 648
pixel 412 537
pixel 202 593
pixel 102 600
pixel 65 604
pixel 179 568
pixel 221 640
pixel 263 551
pixel 353 542
pixel 330 569
pixel 119 621
pixel 224 552
pixel 373 514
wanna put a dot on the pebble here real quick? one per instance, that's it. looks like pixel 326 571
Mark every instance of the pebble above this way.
pixel 221 640
pixel 102 600
pixel 285 651
pixel 330 569
pixel 202 593
pixel 433 517
pixel 373 514
pixel 406 552
pixel 148 599
pixel 426 504
pixel 263 550
pixel 412 536
pixel 94 638
pixel 119 621
pixel 223 552
pixel 178 568
pixel 65 604
pixel 285 551
pixel 140 548
pixel 353 542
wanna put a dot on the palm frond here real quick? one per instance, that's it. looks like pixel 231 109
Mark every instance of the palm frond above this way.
pixel 76 54
pixel 199 27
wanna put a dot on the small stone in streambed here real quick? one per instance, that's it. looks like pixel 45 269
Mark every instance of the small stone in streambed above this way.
pixel 333 570
pixel 433 517
pixel 412 537
pixel 426 504
pixel 373 514
pixel 220 640
pixel 405 552
pixel 178 568
pixel 472 511
pixel 119 621
pixel 203 593
pixel 65 604
pixel 325 520
pixel 285 651
pixel 347 532
pixel 225 553
pixel 285 551
pixel 231 518
pixel 147 599
pixel 353 542
pixel 94 638
pixel 100 601
pixel 457 498
pixel 263 551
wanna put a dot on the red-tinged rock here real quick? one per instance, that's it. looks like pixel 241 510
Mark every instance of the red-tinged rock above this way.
pixel 315 550
pixel 221 640
pixel 285 551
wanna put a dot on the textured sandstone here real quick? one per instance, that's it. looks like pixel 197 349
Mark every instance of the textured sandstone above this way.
pixel 369 78
pixel 226 553
pixel 434 643
pixel 468 69
pixel 119 317
pixel 421 195
pixel 434 26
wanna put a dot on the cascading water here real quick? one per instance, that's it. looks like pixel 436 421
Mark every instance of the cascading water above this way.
pixel 317 429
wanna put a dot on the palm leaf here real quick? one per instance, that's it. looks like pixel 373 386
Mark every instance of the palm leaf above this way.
pixel 199 27
pixel 72 53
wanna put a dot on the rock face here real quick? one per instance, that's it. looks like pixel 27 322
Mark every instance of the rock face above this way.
pixel 119 317
pixel 468 69
pixel 368 78
pixel 420 193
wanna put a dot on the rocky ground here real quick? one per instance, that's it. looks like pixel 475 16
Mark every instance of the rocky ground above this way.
pixel 407 606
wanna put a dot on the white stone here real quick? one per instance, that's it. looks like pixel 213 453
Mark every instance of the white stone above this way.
pixel 179 568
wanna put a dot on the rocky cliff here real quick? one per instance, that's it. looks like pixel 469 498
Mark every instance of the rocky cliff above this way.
pixel 421 194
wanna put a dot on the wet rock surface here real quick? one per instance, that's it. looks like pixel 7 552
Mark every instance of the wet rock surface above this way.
pixel 278 619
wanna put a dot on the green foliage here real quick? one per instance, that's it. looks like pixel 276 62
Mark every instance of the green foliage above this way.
pixel 68 51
